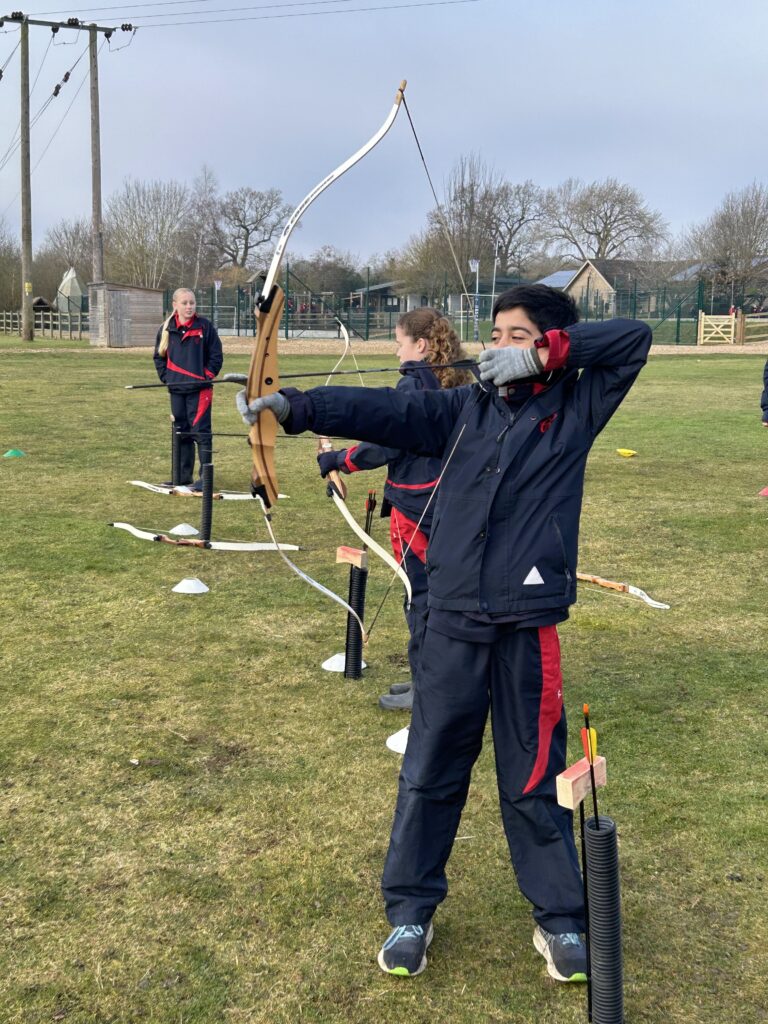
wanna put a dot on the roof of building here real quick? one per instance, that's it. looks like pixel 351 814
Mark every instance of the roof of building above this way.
pixel 560 279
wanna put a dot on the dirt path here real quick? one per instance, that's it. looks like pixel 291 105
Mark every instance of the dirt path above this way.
pixel 325 347
pixel 308 346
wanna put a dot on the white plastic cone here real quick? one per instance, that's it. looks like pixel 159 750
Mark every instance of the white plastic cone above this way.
pixel 190 585
pixel 184 530
pixel 337 663
pixel 398 741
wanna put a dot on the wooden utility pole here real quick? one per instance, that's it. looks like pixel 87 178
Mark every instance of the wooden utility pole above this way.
pixel 97 234
pixel 27 320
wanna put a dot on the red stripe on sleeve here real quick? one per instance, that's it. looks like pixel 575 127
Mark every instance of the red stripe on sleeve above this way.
pixel 351 467
pixel 559 347
pixel 414 487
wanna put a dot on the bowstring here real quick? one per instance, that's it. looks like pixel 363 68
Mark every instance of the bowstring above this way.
pixel 307 578
pixel 441 216
pixel 445 466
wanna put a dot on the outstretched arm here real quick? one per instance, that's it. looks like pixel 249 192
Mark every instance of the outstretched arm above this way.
pixel 419 422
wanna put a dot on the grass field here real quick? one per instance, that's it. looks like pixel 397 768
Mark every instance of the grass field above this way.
pixel 195 815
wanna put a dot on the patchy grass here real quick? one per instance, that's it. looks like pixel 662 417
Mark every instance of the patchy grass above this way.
pixel 13 342
pixel 195 815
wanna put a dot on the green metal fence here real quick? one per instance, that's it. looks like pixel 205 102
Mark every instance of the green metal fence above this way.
pixel 671 311
pixel 230 309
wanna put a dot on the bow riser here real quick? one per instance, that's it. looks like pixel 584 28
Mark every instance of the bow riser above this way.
pixel 264 379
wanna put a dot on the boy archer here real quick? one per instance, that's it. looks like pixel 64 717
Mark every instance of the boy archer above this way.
pixel 501 567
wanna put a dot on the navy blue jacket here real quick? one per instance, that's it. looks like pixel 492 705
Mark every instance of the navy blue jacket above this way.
pixel 194 354
pixel 764 396
pixel 510 499
pixel 411 478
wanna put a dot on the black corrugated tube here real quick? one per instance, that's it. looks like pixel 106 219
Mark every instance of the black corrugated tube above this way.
pixel 206 516
pixel 353 648
pixel 175 455
pixel 604 896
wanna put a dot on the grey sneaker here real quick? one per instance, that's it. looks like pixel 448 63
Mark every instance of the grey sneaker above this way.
pixel 400 687
pixel 405 951
pixel 397 701
pixel 565 953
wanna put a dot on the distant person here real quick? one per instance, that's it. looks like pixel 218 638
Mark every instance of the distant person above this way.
pixel 188 354
pixel 423 336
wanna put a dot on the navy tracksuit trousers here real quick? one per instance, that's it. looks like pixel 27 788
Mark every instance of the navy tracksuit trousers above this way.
pixel 192 418
pixel 416 615
pixel 518 678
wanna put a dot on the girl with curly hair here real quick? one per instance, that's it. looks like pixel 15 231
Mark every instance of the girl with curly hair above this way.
pixel 425 338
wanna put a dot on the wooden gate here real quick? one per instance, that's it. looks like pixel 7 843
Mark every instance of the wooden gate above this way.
pixel 716 330
pixel 751 327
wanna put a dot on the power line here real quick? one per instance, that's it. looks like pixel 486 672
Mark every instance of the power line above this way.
pixel 310 14
pixel 122 7
pixel 116 49
pixel 54 133
pixel 16 140
pixel 71 24
pixel 253 7
pixel 9 58
pixel 64 42
pixel 50 41
pixel 61 122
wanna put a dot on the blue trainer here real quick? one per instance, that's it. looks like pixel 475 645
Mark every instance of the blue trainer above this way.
pixel 565 953
pixel 405 951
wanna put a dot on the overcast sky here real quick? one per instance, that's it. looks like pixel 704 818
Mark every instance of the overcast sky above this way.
pixel 666 95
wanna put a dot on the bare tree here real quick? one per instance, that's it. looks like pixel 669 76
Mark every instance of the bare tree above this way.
pixel 602 220
pixel 465 226
pixel 425 266
pixel 518 225
pixel 198 255
pixel 66 244
pixel 70 242
pixel 329 270
pixel 482 217
pixel 10 269
pixel 384 266
pixel 733 242
pixel 247 222
pixel 143 225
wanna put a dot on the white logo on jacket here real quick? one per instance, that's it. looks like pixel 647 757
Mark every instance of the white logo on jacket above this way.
pixel 533 578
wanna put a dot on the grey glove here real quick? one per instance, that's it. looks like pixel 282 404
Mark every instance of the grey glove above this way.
pixel 502 365
pixel 276 403
pixel 235 378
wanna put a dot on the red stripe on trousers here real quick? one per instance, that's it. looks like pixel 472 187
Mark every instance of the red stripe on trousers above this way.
pixel 203 403
pixel 551 706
